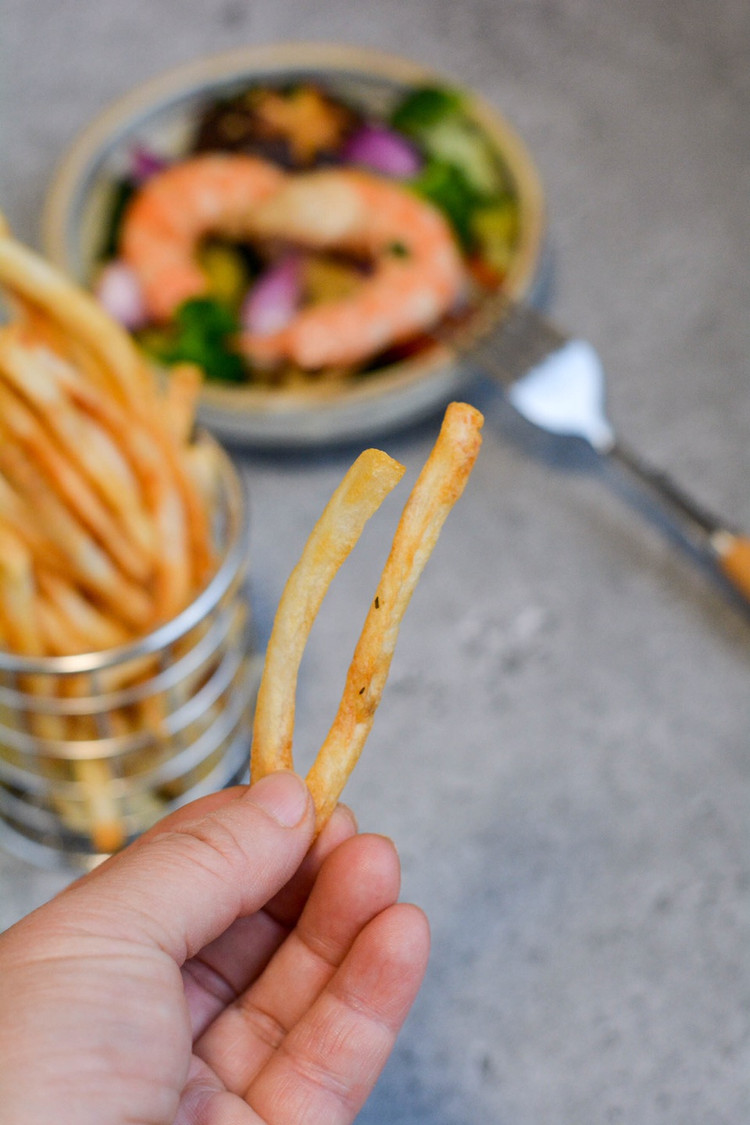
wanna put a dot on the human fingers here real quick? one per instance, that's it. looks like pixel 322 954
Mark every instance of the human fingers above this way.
pixel 287 905
pixel 359 880
pixel 225 968
pixel 333 1056
pixel 183 887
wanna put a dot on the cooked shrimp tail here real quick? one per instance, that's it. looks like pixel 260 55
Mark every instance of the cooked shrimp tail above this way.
pixel 174 210
pixel 417 269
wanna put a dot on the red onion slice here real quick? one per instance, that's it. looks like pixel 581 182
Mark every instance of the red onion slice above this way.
pixel 274 298
pixel 145 163
pixel 119 292
pixel 383 150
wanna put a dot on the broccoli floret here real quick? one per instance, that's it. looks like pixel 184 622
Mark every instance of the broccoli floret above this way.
pixel 424 108
pixel 446 186
pixel 201 334
pixel 438 121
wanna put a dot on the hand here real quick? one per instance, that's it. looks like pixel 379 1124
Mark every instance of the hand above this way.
pixel 219 971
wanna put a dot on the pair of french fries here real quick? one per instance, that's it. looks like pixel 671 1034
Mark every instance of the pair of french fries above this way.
pixel 372 476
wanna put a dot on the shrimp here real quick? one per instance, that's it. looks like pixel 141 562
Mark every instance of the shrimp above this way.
pixel 417 267
pixel 207 194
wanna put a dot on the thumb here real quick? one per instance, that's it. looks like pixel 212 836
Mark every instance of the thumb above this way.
pixel 182 887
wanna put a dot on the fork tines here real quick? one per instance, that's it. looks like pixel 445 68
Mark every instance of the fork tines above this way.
pixel 498 332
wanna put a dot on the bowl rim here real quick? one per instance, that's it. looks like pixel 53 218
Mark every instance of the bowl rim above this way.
pixel 408 378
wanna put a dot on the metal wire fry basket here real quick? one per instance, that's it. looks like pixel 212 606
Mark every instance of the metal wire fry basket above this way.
pixel 96 747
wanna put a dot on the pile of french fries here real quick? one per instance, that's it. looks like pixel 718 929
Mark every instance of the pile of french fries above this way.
pixel 104 523
pixel 105 499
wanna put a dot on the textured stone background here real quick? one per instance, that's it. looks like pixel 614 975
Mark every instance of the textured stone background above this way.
pixel 562 754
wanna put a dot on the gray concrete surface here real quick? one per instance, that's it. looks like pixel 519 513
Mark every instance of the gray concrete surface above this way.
pixel 562 753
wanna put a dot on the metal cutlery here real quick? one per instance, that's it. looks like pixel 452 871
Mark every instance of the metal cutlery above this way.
pixel 556 382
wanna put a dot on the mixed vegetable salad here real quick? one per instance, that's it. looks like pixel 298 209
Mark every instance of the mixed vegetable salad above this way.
pixel 429 143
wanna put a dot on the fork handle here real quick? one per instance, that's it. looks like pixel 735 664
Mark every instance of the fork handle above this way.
pixel 733 558
pixel 663 486
pixel 730 550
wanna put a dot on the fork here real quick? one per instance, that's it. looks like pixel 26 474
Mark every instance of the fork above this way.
pixel 556 381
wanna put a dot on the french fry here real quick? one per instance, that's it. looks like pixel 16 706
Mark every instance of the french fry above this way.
pixel 103 819
pixel 43 378
pixel 93 629
pixel 18 423
pixel 17 595
pixel 182 550
pixel 86 559
pixel 181 399
pixel 21 621
pixel 438 487
pixel 22 625
pixel 60 636
pixel 14 516
pixel 202 461
pixel 36 281
pixel 372 476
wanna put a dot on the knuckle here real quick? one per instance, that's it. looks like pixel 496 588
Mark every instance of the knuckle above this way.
pixel 211 845
pixel 265 1027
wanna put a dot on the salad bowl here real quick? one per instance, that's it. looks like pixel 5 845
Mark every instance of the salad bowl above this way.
pixel 161 119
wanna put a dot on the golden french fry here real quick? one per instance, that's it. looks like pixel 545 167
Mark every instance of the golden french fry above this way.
pixel 181 399
pixel 36 281
pixel 17 595
pixel 22 625
pixel 182 556
pixel 365 486
pixel 44 379
pixel 92 629
pixel 102 822
pixel 97 812
pixel 203 465
pixel 86 559
pixel 59 636
pixel 19 424
pixel 14 518
pixel 439 485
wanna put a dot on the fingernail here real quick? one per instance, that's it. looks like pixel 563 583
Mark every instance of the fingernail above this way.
pixel 283 795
